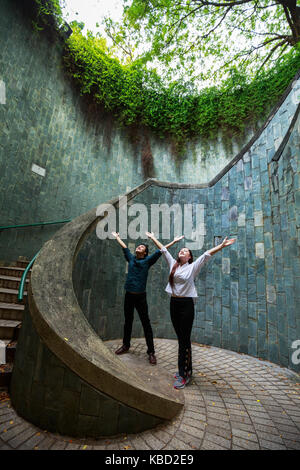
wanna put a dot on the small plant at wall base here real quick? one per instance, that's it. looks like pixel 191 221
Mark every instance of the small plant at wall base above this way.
pixel 137 96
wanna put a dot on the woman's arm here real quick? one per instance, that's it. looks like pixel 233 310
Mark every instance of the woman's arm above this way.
pixel 155 241
pixel 176 239
pixel 117 236
pixel 169 258
pixel 197 265
pixel 160 245
pixel 222 245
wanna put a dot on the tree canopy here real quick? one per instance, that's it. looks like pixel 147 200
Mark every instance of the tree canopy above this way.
pixel 204 39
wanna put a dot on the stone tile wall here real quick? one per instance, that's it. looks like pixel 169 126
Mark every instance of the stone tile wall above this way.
pixel 248 294
pixel 86 157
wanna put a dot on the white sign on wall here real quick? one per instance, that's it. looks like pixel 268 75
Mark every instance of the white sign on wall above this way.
pixel 38 170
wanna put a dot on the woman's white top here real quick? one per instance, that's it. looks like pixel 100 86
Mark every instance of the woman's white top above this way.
pixel 184 275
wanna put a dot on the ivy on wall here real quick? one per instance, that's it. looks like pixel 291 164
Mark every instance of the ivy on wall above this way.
pixel 46 12
pixel 137 96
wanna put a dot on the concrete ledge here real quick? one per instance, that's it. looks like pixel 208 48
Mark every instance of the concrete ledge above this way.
pixel 62 326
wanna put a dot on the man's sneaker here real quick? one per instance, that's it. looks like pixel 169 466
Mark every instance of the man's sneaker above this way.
pixel 152 359
pixel 181 382
pixel 123 349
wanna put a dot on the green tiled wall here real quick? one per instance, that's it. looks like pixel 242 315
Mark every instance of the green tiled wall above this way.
pixel 87 158
pixel 249 293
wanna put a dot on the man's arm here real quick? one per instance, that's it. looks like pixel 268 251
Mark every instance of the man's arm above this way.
pixel 154 257
pixel 117 236
pixel 126 251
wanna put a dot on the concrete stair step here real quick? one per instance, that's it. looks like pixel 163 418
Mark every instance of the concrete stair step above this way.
pixel 11 348
pixel 11 311
pixel 13 271
pixel 11 282
pixel 22 263
pixel 11 314
pixel 9 295
pixel 9 329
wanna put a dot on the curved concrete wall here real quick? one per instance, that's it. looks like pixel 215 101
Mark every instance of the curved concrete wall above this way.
pixel 50 395
pixel 57 324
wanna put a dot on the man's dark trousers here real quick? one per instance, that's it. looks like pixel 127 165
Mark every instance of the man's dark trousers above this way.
pixel 138 301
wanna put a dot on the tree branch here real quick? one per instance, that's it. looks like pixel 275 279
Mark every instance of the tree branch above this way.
pixel 215 27
pixel 281 43
pixel 225 4
pixel 290 22
pixel 180 22
pixel 127 52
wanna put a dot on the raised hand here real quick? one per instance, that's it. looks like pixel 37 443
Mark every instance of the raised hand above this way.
pixel 117 236
pixel 177 239
pixel 227 242
pixel 150 234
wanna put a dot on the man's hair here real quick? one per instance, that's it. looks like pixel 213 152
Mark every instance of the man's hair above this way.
pixel 147 249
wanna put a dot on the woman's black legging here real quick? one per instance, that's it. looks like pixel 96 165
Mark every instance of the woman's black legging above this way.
pixel 182 316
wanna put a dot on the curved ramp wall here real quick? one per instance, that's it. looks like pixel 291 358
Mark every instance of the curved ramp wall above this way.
pixel 79 367
pixel 49 394
pixel 248 295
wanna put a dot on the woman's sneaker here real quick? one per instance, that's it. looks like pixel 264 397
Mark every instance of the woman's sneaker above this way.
pixel 176 375
pixel 181 382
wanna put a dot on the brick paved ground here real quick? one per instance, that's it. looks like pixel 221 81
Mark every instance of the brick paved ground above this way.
pixel 233 402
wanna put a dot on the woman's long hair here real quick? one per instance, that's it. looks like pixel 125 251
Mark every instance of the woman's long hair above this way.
pixel 176 264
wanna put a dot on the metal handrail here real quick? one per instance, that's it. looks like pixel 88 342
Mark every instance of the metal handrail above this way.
pixel 23 279
pixel 34 225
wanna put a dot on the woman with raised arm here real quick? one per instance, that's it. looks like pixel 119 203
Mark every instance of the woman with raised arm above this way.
pixel 181 288
pixel 135 295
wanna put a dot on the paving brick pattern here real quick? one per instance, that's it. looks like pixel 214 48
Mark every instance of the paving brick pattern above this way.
pixel 233 402
pixel 87 158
